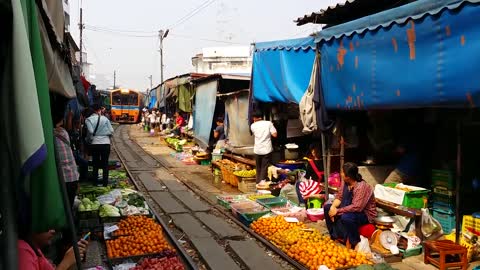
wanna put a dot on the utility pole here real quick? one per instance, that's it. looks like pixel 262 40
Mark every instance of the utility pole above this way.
pixel 114 79
pixel 81 26
pixel 151 77
pixel 162 35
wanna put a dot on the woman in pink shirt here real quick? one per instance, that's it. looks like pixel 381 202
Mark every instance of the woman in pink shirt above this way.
pixel 30 257
pixel 354 206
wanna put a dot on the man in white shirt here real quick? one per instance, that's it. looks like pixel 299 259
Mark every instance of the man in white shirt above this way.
pixel 263 131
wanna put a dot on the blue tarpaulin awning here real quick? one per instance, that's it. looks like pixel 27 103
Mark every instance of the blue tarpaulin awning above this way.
pixel 417 55
pixel 281 69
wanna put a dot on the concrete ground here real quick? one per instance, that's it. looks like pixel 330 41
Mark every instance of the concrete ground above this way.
pixel 204 183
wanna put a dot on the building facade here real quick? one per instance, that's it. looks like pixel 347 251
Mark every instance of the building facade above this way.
pixel 227 60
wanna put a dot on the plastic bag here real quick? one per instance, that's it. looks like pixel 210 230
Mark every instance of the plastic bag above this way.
pixel 363 246
pixel 430 226
pixel 334 180
pixel 290 193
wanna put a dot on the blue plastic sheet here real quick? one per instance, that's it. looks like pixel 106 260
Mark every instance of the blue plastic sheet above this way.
pixel 423 62
pixel 281 69
pixel 205 101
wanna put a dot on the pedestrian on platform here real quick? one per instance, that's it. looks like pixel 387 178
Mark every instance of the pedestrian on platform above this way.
pixel 65 157
pixel 263 131
pixel 179 123
pixel 100 130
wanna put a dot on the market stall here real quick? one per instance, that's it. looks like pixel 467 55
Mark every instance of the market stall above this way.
pixel 119 217
pixel 418 41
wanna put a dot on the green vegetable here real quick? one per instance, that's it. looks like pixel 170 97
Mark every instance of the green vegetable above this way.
pixel 107 210
pixel 136 199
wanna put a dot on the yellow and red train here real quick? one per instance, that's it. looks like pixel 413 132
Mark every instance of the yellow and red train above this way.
pixel 126 105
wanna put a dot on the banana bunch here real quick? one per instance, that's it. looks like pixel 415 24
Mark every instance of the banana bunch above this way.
pixel 246 173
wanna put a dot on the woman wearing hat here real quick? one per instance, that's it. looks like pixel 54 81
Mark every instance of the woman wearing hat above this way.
pixel 354 206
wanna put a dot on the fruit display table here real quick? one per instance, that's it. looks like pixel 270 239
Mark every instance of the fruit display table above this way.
pixel 416 214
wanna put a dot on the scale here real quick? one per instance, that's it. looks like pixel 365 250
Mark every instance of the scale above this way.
pixel 383 239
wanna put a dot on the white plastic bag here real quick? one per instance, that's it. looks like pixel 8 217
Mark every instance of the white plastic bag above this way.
pixel 363 246
pixel 430 226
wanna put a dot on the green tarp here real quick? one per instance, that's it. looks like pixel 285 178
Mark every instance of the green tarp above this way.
pixel 185 94
pixel 46 197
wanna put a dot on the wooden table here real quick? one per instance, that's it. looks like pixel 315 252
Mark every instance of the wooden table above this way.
pixel 247 161
pixel 404 211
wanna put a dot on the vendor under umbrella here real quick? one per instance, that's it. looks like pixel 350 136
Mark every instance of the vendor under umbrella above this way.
pixel 353 207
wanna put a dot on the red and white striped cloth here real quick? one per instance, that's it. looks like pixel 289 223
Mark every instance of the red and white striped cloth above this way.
pixel 309 187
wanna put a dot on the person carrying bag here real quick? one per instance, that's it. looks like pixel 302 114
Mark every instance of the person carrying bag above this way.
pixel 99 132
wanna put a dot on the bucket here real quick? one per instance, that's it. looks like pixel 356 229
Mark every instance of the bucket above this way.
pixel 315 203
pixel 291 154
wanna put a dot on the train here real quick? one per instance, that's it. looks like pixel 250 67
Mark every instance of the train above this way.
pixel 126 105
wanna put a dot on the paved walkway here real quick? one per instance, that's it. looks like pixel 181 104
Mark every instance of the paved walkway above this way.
pixel 213 241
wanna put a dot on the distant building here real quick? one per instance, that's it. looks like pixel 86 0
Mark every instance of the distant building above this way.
pixel 231 60
pixel 66 12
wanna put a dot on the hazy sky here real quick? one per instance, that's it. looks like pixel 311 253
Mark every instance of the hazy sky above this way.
pixel 122 35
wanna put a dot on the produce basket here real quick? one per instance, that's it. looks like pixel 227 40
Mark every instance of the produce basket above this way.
pixel 248 218
pixel 255 196
pixel 227 174
pixel 225 201
pixel 247 186
pixel 246 207
pixel 411 252
pixel 273 202
pixel 104 220
pixel 137 258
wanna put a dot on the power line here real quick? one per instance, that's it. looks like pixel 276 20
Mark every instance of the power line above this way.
pixel 118 33
pixel 119 30
pixel 192 13
pixel 207 39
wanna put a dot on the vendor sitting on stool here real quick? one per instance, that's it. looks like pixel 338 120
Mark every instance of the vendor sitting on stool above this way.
pixel 353 207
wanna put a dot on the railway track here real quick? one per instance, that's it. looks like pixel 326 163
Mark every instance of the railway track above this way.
pixel 206 236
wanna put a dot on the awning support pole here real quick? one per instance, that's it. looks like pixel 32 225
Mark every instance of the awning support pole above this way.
pixel 458 183
pixel 326 170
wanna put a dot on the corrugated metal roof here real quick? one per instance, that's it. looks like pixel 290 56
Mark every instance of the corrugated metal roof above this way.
pixel 349 10
pixel 400 15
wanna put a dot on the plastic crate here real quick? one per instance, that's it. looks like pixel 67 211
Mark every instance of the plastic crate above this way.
pixel 443 191
pixel 249 218
pixel 443 207
pixel 273 202
pixel 415 199
pixel 225 201
pixel 471 224
pixel 443 178
pixel 440 198
pixel 446 219
pixel 88 214
pixel 411 252
pixel 247 207
pixel 89 224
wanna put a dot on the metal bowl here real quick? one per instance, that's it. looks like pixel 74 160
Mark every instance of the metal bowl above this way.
pixel 385 220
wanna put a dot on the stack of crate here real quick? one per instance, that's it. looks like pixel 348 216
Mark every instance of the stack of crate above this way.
pixel 443 199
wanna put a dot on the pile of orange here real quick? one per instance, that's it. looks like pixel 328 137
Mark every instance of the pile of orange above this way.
pixel 137 235
pixel 307 246
pixel 267 227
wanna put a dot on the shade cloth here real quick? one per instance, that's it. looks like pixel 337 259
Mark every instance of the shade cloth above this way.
pixel 422 60
pixel 281 69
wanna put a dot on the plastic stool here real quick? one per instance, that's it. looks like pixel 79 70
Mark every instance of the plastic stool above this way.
pixel 367 230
